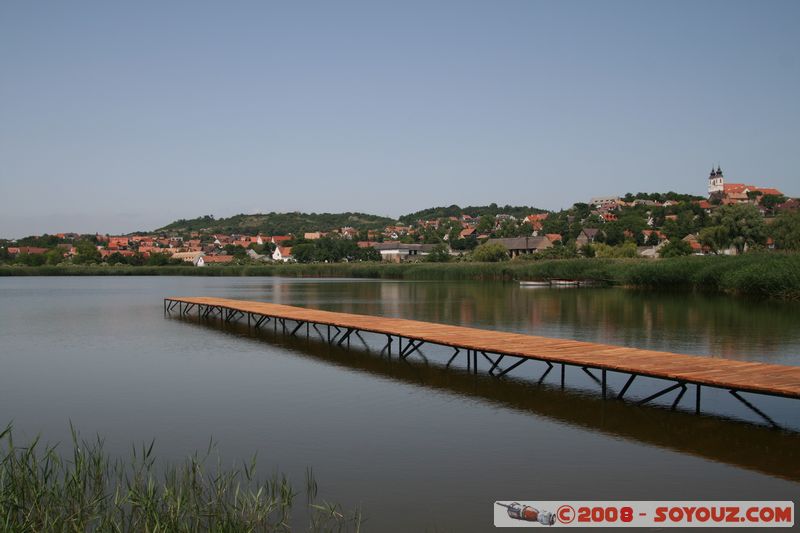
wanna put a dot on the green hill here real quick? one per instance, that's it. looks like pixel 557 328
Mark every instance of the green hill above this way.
pixel 435 213
pixel 278 223
pixel 298 223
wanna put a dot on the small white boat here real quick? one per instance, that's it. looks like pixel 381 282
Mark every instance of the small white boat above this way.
pixel 534 283
pixel 564 283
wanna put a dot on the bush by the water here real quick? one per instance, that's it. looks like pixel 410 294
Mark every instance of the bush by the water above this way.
pixel 489 252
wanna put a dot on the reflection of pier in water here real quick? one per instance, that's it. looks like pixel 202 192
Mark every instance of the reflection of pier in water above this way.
pixel 757 448
pixel 494 346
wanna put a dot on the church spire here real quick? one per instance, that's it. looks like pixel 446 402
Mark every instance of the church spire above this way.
pixel 716 182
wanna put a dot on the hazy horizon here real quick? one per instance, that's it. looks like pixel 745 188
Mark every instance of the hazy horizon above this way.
pixel 125 117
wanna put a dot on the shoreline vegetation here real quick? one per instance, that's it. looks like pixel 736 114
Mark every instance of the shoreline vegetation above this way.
pixel 86 490
pixel 770 275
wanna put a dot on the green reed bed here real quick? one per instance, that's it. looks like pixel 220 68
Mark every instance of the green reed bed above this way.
pixel 86 490
pixel 766 274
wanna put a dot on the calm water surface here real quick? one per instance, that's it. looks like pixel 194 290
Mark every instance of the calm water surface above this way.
pixel 417 448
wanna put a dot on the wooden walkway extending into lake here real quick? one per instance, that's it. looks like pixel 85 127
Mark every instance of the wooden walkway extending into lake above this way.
pixel 495 346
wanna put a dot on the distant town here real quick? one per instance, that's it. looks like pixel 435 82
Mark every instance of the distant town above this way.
pixel 733 219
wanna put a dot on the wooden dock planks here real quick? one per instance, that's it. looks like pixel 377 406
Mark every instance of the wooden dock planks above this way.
pixel 781 380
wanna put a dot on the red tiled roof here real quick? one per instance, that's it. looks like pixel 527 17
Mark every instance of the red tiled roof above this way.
pixel 217 258
pixel 729 188
pixel 740 188
pixel 769 191
pixel 124 253
pixel 31 250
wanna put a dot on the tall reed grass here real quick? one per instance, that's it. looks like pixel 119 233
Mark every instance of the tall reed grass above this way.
pixel 767 274
pixel 86 490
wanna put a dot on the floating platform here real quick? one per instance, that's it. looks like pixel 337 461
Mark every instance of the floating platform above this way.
pixel 497 347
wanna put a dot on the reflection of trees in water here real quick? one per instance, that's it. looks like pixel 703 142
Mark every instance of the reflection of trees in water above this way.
pixel 699 323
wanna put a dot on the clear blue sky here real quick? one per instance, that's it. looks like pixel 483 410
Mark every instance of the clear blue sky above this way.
pixel 117 116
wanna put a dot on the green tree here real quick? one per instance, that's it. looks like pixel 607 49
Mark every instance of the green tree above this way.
pixel 683 226
pixel 555 252
pixel 743 223
pixel 559 223
pixel 115 258
pixel 431 236
pixel 627 249
pixel 54 256
pixel 769 201
pixel 439 254
pixel 87 252
pixel 490 253
pixel 157 260
pixel 235 250
pixel 785 231
pixel 464 244
pixel 675 249
pixel 304 253
pixel 367 254
pixel 485 224
pixel 613 234
pixel 31 259
pixel 715 237
pixel 508 228
pixel 581 210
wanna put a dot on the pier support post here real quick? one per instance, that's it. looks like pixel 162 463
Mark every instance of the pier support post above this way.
pixel 660 393
pixel 603 386
pixel 299 325
pixel 457 351
pixel 626 386
pixel 497 362
pixel 549 368
pixel 697 400
pixel 512 367
pixel 386 347
pixel 678 398
pixel 753 408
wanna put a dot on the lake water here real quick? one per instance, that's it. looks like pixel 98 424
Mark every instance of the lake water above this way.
pixel 414 446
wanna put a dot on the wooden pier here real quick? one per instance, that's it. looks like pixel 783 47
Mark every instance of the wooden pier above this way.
pixel 497 347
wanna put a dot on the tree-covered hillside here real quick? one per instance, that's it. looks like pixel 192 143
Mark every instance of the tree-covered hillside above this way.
pixel 435 213
pixel 278 223
pixel 298 223
pixel 662 196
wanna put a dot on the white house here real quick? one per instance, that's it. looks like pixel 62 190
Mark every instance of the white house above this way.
pixel 189 257
pixel 282 253
pixel 397 251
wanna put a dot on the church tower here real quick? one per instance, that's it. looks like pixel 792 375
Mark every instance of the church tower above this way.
pixel 716 183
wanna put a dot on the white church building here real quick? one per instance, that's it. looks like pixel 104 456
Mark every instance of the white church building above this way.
pixel 716 183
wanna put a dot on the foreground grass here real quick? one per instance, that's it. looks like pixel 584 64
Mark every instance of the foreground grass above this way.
pixel 41 490
pixel 773 275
